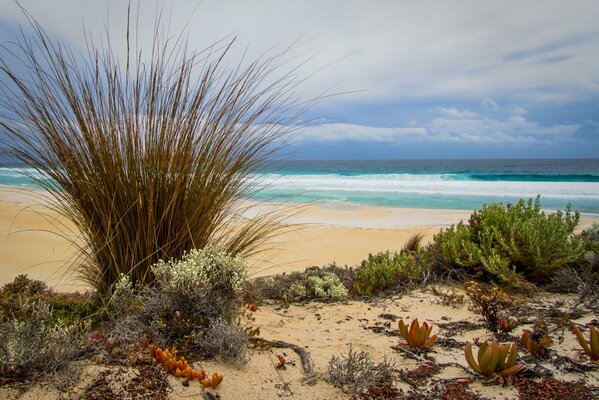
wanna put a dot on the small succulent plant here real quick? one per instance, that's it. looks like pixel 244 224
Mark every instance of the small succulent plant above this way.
pixel 180 368
pixel 592 347
pixel 495 360
pixel 537 345
pixel 507 325
pixel 417 336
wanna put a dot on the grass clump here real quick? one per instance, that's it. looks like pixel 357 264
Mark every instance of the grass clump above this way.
pixel 33 343
pixel 509 244
pixel 148 154
pixel 194 305
pixel 384 271
pixel 357 372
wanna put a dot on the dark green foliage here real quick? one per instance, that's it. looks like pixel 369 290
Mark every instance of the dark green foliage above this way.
pixel 505 243
pixel 384 271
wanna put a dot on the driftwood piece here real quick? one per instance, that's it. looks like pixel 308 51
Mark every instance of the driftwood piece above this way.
pixel 307 364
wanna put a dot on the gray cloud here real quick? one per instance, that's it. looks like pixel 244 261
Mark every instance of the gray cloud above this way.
pixel 392 49
pixel 451 125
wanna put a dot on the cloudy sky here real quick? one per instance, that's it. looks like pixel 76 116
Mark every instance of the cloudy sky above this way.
pixel 422 79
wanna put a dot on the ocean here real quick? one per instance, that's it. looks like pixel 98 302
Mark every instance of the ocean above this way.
pixel 441 184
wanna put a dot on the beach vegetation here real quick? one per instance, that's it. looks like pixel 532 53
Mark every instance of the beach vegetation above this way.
pixel 327 283
pixel 591 348
pixel 509 244
pixel 386 271
pixel 358 371
pixel 495 360
pixel 413 245
pixel 493 304
pixel 417 336
pixel 66 308
pixel 537 341
pixel 324 287
pixel 148 154
pixel 33 343
pixel 179 367
pixel 194 304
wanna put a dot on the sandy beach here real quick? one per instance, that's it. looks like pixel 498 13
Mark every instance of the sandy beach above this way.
pixel 35 241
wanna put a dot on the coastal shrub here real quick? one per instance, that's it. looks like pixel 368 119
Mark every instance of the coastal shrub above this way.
pixel 328 283
pixel 147 153
pixel 68 308
pixel 34 343
pixel 357 372
pixel 194 304
pixel 509 244
pixel 384 271
pixel 324 287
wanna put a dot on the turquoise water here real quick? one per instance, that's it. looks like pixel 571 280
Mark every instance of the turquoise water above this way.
pixel 452 184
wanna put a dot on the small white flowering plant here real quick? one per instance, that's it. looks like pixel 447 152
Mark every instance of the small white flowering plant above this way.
pixel 191 299
pixel 201 270
pixel 325 286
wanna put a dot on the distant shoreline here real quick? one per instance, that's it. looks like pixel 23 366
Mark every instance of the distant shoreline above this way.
pixel 318 235
pixel 422 184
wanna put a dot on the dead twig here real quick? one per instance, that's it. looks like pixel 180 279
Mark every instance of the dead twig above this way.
pixel 307 364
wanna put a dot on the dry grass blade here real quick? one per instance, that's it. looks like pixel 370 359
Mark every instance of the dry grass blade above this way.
pixel 151 159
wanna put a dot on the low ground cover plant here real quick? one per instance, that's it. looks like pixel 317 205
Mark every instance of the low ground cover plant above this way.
pixel 328 283
pixel 33 343
pixel 495 360
pixel 67 308
pixel 509 244
pixel 591 348
pixel 493 304
pixel 537 341
pixel 194 304
pixel 417 336
pixel 358 371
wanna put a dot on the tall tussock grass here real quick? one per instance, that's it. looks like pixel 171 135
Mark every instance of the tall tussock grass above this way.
pixel 149 155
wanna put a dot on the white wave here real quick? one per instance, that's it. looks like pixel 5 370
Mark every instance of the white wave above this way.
pixel 427 185
pixel 23 173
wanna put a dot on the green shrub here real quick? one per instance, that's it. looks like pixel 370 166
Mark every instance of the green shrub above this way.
pixel 34 343
pixel 590 236
pixel 194 298
pixel 508 243
pixel 383 271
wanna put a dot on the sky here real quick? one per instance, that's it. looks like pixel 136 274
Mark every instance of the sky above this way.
pixel 410 79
